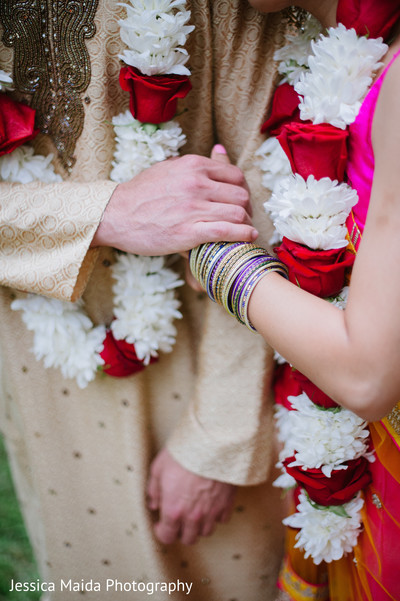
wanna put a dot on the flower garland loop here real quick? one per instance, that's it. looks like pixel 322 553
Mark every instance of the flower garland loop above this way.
pixel 325 448
pixel 145 307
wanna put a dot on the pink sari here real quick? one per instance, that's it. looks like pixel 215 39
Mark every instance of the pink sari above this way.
pixel 378 552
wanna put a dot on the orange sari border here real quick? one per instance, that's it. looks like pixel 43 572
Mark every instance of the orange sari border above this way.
pixel 386 442
pixel 299 589
pixel 353 234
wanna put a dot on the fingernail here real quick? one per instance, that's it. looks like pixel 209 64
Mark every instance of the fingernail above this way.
pixel 219 149
pixel 254 235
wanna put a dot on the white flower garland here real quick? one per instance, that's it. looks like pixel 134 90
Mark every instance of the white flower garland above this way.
pixel 23 166
pixel 145 306
pixel 64 336
pixel 331 75
pixel 139 146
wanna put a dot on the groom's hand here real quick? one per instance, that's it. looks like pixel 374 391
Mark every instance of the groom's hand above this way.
pixel 175 205
pixel 188 505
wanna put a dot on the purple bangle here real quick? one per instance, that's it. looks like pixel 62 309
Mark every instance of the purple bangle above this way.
pixel 243 279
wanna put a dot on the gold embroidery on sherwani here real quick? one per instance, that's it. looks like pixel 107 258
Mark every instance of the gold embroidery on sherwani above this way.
pixel 56 73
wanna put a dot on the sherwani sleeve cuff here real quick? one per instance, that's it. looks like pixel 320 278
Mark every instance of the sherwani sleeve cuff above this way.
pixel 45 234
pixel 226 432
pixel 240 462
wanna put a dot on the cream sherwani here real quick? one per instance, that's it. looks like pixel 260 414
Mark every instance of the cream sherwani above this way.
pixel 80 458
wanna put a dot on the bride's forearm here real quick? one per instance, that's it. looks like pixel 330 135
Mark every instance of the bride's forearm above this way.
pixel 321 341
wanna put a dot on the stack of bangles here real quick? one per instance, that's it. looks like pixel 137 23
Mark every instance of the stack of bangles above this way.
pixel 229 272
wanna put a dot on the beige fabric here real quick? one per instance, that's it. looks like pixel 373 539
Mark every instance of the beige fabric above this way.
pixel 44 251
pixel 80 458
pixel 232 57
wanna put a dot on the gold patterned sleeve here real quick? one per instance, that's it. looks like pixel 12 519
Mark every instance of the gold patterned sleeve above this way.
pixel 45 234
pixel 226 431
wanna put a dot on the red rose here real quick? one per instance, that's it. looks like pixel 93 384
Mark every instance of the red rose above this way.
pixel 285 109
pixel 120 359
pixel 369 17
pixel 16 124
pixel 320 272
pixel 339 488
pixel 315 394
pixel 319 150
pixel 153 99
pixel 285 385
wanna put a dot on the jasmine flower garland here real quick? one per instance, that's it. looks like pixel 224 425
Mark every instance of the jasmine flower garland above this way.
pixel 139 146
pixel 145 305
pixel 155 32
pixel 24 166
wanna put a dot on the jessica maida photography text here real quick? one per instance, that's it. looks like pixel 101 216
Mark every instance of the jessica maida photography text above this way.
pixel 110 585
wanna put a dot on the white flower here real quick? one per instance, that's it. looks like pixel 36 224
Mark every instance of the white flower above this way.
pixel 155 32
pixel 325 534
pixel 283 426
pixel 312 212
pixel 340 73
pixel 285 480
pixel 5 81
pixel 278 358
pixel 64 337
pixel 275 239
pixel 139 146
pixel 273 163
pixel 321 438
pixel 340 300
pixel 145 305
pixel 293 56
pixel 22 166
